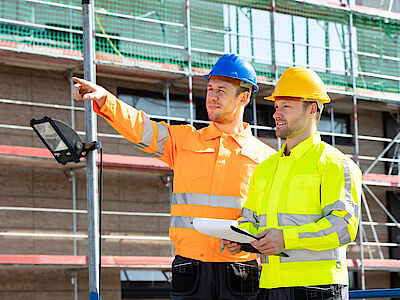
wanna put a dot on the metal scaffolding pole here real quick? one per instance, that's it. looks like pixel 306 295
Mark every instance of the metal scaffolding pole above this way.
pixel 167 99
pixel 273 52
pixel 189 53
pixel 273 41
pixel 253 98
pixel 356 145
pixel 72 179
pixel 91 170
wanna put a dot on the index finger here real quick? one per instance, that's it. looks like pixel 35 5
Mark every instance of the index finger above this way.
pixel 83 82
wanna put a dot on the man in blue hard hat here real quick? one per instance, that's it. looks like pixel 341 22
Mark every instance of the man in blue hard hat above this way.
pixel 212 170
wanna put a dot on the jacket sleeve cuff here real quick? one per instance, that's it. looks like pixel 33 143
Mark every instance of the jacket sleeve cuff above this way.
pixel 291 238
pixel 106 110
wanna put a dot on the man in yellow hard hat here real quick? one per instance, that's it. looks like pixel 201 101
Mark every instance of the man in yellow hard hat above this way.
pixel 303 200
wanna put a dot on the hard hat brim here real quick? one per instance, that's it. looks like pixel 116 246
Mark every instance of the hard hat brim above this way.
pixel 271 98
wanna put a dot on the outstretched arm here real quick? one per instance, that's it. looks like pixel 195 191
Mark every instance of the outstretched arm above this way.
pixel 148 136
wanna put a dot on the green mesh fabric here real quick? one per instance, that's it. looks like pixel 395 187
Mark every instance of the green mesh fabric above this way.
pixel 153 34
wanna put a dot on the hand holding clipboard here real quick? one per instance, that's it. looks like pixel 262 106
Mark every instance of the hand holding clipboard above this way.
pixel 228 230
pixel 247 246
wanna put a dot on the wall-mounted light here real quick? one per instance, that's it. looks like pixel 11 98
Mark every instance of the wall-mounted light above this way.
pixel 62 141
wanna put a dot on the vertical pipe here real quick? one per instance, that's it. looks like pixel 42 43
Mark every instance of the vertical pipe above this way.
pixel 293 43
pixel 73 179
pixel 189 52
pixel 71 39
pixel 346 67
pixel 307 44
pixel 251 33
pixel 327 50
pixel 254 115
pixel 333 125
pixel 273 45
pixel 352 65
pixel 230 28
pixel 253 98
pixel 168 101
pixel 73 183
pixel 91 170
pixel 273 52
pixel 237 31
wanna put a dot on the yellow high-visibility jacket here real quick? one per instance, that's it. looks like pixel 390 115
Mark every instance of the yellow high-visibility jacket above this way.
pixel 312 195
pixel 212 172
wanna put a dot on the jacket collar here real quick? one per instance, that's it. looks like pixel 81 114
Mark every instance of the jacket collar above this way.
pixel 303 147
pixel 241 138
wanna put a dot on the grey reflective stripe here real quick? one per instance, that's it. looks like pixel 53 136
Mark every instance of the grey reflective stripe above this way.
pixel 248 216
pixel 148 135
pixel 181 222
pixel 296 219
pixel 148 132
pixel 264 259
pixel 347 188
pixel 347 204
pixel 263 220
pixel 207 200
pixel 310 255
pixel 161 138
pixel 336 254
pixel 341 205
pixel 347 217
pixel 244 221
pixel 339 226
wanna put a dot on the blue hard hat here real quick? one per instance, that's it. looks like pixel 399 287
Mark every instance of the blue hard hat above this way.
pixel 234 66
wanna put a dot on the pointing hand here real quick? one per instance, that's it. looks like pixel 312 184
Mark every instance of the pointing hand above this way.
pixel 86 90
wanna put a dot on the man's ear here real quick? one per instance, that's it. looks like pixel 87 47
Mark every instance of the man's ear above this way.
pixel 245 98
pixel 314 109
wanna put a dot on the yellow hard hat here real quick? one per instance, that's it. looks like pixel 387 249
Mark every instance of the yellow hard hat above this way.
pixel 300 83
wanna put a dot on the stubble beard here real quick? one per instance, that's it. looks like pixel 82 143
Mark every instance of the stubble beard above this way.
pixel 218 117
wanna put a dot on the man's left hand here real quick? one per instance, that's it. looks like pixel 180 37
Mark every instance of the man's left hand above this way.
pixel 271 241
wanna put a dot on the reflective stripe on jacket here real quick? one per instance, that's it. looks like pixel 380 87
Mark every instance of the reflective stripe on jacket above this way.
pixel 313 196
pixel 212 172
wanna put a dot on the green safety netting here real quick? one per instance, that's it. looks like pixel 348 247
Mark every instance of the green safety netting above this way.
pixel 154 34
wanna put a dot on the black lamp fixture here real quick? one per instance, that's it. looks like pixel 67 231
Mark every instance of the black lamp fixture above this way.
pixel 62 141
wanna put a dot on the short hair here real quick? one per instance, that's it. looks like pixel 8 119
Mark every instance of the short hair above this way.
pixel 241 89
pixel 318 114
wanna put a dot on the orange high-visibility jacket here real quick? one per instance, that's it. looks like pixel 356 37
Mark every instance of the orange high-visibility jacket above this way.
pixel 212 172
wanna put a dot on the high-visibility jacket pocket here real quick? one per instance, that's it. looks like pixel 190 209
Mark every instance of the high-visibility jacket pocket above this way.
pixel 304 195
pixel 249 162
pixel 197 160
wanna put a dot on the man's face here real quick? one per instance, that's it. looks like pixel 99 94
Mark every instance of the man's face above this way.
pixel 222 101
pixel 290 118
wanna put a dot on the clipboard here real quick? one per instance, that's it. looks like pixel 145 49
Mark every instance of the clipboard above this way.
pixel 228 230
pixel 223 229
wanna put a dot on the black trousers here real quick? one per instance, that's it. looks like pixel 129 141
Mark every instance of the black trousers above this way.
pixel 195 280
pixel 320 292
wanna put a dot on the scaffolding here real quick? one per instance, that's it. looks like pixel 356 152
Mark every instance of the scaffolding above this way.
pixel 355 50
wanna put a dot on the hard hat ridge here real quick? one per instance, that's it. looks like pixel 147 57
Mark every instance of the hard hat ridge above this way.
pixel 301 83
pixel 237 67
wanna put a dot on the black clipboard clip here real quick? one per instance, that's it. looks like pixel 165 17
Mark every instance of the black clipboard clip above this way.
pixel 247 246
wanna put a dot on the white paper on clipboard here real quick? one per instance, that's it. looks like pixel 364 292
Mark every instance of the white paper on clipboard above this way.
pixel 220 228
